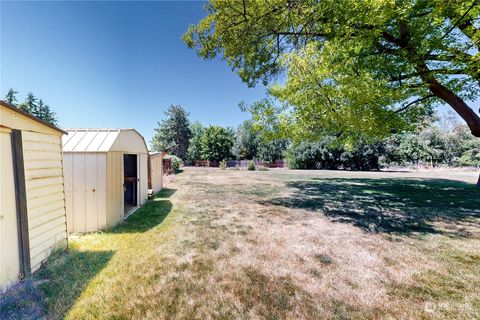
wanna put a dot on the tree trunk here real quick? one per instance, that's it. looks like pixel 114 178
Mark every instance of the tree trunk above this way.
pixel 463 110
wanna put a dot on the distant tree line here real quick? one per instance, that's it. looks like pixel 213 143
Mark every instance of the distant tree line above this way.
pixel 32 105
pixel 434 143
pixel 430 146
pixel 194 141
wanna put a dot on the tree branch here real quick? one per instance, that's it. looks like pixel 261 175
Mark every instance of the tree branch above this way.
pixel 414 102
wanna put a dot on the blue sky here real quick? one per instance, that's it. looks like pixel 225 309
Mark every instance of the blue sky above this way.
pixel 116 64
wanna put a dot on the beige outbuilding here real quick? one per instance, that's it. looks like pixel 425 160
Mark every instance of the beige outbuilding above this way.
pixel 32 199
pixel 106 176
pixel 156 171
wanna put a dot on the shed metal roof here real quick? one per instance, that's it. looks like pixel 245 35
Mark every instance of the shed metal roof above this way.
pixel 89 140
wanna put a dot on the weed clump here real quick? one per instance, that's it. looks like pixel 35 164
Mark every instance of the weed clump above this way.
pixel 223 165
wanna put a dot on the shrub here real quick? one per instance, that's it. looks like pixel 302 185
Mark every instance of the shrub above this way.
pixel 223 165
pixel 251 166
pixel 176 163
pixel 325 155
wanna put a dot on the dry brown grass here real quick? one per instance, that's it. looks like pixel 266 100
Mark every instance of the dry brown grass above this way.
pixel 292 245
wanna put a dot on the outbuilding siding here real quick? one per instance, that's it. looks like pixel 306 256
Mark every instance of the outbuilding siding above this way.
pixel 94 176
pixel 9 252
pixel 45 194
pixel 114 188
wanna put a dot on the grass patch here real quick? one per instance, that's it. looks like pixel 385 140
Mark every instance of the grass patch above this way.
pixel 91 262
pixel 399 206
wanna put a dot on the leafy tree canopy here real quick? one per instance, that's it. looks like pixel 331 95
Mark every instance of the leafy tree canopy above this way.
pixel 217 143
pixel 247 141
pixel 173 133
pixel 194 151
pixel 355 69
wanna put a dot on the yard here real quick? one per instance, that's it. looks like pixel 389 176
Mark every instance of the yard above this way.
pixel 279 245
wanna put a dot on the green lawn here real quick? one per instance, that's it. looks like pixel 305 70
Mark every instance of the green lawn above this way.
pixel 276 245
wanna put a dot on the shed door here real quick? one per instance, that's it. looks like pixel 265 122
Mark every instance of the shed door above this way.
pixel 9 253
pixel 130 182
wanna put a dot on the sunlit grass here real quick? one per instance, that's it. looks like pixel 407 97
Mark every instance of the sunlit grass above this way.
pixel 231 244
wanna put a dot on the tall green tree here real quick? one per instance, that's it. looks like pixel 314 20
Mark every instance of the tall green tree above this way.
pixel 353 68
pixel 44 112
pixel 173 133
pixel 30 104
pixel 247 141
pixel 194 151
pixel 217 143
pixel 11 97
pixel 272 150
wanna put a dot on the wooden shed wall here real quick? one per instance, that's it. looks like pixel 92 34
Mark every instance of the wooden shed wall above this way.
pixel 143 176
pixel 156 172
pixel 9 254
pixel 42 155
pixel 85 190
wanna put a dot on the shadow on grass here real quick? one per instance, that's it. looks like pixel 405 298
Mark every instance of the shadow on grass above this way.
pixel 401 206
pixel 57 285
pixel 151 214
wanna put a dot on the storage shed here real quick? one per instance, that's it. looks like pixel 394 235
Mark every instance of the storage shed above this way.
pixel 156 171
pixel 32 199
pixel 106 176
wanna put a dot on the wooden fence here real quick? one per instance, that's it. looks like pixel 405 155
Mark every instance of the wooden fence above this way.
pixel 206 163
pixel 241 163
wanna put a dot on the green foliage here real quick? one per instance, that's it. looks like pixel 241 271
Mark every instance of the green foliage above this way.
pixel 252 143
pixel 11 97
pixel 177 163
pixel 251 166
pixel 217 143
pixel 272 150
pixel 433 146
pixel 354 69
pixel 30 103
pixel 173 133
pixel 43 112
pixel 326 155
pixel 247 141
pixel 194 151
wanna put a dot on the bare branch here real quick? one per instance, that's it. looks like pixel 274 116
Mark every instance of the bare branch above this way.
pixel 414 102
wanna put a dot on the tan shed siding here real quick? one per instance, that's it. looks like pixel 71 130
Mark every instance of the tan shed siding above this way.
pixel 45 194
pixel 143 176
pixel 156 168
pixel 9 257
pixel 114 188
pixel 101 205
pixel 85 190
pixel 91 177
